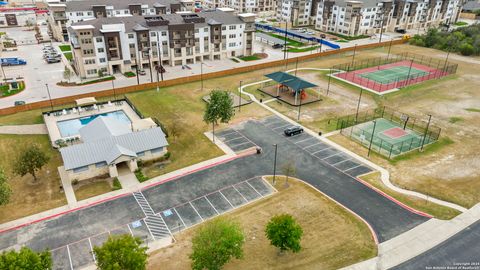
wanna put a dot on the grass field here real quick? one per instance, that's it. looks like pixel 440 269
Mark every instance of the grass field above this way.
pixel 30 198
pixel 92 189
pixel 68 55
pixel 65 48
pixel 333 238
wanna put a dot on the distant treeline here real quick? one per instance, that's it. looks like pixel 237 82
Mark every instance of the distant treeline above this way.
pixel 464 40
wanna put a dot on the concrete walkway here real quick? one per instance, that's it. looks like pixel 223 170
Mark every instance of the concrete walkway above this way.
pixel 24 129
pixel 67 187
pixel 418 240
pixel 128 180
pixel 385 176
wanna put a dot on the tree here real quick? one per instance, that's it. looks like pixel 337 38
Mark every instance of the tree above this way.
pixel 216 243
pixel 121 253
pixel 284 233
pixel 219 108
pixel 67 74
pixel 466 49
pixel 26 259
pixel 29 161
pixel 5 190
pixel 288 169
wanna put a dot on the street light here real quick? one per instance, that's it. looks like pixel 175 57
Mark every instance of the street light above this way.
pixel 426 130
pixel 49 97
pixel 201 73
pixel 275 164
pixel 148 49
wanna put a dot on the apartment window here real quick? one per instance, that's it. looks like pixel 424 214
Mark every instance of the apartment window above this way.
pixel 102 60
pixel 80 169
pixel 91 71
pixel 154 43
pixel 196 31
pixel 79 14
pixel 86 41
pixel 205 39
pixel 141 154
pixel 153 34
pixel 164 34
pixel 232 36
pixel 89 61
pixel 231 44
pixel 88 51
pixel 232 27
pixel 127 11
pixel 117 12
pixel 164 43
pixel 130 36
pixel 224 28
pixel 99 39
pixel 101 50
pixel 89 13
pixel 205 29
pixel 131 45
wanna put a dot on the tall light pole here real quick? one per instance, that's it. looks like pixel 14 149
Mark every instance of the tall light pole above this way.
pixel 285 42
pixel 136 69
pixel 426 130
pixel 160 66
pixel 371 139
pixel 49 97
pixel 275 164
pixel 150 63
pixel 358 104
pixel 354 52
pixel 381 26
pixel 240 97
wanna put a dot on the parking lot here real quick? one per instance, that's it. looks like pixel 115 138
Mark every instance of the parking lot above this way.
pixel 79 254
pixel 235 140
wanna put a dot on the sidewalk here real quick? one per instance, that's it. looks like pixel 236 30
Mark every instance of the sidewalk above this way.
pixel 24 129
pixel 418 240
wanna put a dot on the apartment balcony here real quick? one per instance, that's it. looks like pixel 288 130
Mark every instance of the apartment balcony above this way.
pixel 60 18
pixel 216 49
pixel 177 54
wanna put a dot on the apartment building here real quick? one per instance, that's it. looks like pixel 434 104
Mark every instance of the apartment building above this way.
pixel 63 14
pixel 297 12
pixel 242 6
pixel 119 44
pixel 368 17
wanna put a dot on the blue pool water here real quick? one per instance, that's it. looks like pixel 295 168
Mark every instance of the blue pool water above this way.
pixel 71 127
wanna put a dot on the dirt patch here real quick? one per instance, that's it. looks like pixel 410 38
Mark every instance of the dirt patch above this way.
pixel 333 238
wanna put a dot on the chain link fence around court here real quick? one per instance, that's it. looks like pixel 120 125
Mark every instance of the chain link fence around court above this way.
pixel 423 67
pixel 415 133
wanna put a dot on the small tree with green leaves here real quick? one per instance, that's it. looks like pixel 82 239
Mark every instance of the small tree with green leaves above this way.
pixel 30 160
pixel 216 243
pixel 219 108
pixel 122 252
pixel 284 232
pixel 5 190
pixel 25 258
pixel 67 74
pixel 288 169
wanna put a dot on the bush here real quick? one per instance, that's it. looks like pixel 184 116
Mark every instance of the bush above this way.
pixel 129 74
pixel 466 49
pixel 140 176
pixel 116 184
pixel 75 182
pixel 167 155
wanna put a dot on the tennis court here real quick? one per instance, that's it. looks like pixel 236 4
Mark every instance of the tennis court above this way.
pixel 385 75
pixel 389 138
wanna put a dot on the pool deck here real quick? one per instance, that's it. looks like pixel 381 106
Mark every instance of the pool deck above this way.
pixel 51 120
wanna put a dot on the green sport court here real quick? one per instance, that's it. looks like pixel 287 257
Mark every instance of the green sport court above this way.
pixel 389 138
pixel 385 75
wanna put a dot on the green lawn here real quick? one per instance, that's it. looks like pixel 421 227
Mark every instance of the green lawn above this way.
pixel 249 58
pixel 290 42
pixel 348 37
pixel 298 50
pixel 28 197
pixel 65 48
pixel 69 56
pixel 438 211
pixel 460 24
pixel 22 118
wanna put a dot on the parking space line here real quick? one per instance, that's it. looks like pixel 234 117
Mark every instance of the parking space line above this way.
pixel 254 189
pixel 128 226
pixel 340 162
pixel 238 144
pixel 190 202
pixel 274 129
pixel 226 199
pixel 338 153
pixel 69 257
pixel 312 145
pixel 233 139
pixel 91 250
pixel 320 150
pixel 274 123
pixel 246 138
pixel 211 205
pixel 181 219
pixel 305 140
pixel 353 168
pixel 240 193
pixel 233 131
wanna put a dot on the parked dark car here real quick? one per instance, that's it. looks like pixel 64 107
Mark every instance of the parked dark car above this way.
pixel 19 102
pixel 277 46
pixel 323 35
pixel 293 130
pixel 142 72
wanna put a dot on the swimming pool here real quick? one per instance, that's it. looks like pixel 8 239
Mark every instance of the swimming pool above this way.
pixel 71 127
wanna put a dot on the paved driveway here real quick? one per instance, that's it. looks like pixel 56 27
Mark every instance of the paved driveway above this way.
pixel 462 250
pixel 181 203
